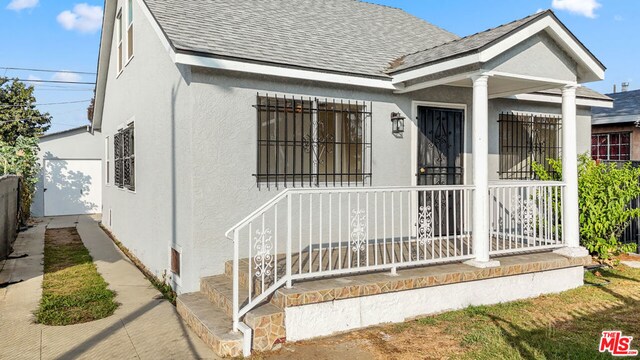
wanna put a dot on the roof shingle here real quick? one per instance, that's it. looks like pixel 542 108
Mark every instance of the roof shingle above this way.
pixel 335 35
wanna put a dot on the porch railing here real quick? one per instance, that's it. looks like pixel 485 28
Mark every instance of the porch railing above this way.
pixel 525 216
pixel 312 233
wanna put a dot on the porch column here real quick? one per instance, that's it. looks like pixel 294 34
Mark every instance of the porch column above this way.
pixel 480 134
pixel 570 217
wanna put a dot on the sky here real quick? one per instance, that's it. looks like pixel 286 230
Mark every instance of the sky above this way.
pixel 65 35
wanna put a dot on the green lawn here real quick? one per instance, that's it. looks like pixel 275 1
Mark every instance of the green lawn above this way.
pixel 72 290
pixel 560 326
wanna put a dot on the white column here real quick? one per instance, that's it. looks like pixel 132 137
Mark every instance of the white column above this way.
pixel 480 149
pixel 570 217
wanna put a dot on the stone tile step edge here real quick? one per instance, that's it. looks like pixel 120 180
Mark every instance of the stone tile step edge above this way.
pixel 210 324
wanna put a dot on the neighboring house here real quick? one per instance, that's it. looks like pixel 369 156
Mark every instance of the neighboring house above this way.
pixel 281 141
pixel 615 132
pixel 70 180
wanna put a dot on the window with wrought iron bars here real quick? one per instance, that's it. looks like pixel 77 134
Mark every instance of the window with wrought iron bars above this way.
pixel 313 142
pixel 525 139
pixel 124 158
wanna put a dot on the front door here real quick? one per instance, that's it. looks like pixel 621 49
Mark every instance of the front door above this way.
pixel 440 151
pixel 440 146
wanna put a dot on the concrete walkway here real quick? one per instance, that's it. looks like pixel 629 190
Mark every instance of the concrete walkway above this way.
pixel 143 327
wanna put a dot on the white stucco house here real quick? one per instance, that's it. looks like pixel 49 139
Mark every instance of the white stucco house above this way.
pixel 70 180
pixel 299 168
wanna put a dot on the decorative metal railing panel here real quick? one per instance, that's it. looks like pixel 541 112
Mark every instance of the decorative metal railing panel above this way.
pixel 525 216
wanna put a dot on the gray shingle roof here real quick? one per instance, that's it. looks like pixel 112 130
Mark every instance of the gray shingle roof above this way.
pixel 335 35
pixel 626 108
pixel 582 91
pixel 462 45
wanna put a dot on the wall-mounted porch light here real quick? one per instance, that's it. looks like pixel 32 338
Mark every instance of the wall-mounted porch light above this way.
pixel 397 123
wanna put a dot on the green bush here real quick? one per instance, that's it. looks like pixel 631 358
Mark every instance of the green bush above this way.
pixel 605 192
pixel 21 159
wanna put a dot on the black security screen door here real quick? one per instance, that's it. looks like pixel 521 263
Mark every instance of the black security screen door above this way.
pixel 440 146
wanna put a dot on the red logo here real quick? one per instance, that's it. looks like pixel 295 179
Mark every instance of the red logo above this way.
pixel 617 344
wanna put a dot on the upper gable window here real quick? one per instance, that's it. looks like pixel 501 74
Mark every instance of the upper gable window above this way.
pixel 129 29
pixel 119 39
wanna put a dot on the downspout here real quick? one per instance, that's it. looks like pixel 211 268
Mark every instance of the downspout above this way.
pixel 246 341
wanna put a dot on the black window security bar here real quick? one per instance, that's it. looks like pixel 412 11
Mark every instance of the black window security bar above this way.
pixel 525 139
pixel 313 142
pixel 124 158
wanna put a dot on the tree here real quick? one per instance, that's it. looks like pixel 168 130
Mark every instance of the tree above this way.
pixel 18 113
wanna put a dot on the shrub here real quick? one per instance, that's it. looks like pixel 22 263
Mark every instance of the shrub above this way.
pixel 605 192
pixel 22 159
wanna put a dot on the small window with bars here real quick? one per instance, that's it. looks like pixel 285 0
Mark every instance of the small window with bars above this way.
pixel 313 142
pixel 525 139
pixel 611 147
pixel 124 158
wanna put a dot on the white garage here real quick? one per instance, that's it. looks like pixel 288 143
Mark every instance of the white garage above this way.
pixel 72 186
pixel 71 176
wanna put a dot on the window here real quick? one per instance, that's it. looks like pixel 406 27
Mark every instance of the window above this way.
pixel 525 139
pixel 124 158
pixel 613 147
pixel 119 39
pixel 129 29
pixel 107 165
pixel 310 142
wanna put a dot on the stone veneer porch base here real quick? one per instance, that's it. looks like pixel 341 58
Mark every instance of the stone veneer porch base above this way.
pixel 326 306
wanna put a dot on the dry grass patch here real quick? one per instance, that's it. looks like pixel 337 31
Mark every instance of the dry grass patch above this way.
pixel 73 291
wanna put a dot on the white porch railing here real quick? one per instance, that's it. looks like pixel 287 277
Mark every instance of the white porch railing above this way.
pixel 525 216
pixel 311 233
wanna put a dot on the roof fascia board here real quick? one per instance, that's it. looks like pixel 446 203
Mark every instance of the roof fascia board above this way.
pixel 253 68
pixel 436 68
pixel 104 55
pixel 557 99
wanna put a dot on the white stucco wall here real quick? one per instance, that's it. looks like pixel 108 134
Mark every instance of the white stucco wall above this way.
pixel 309 321
pixel 77 144
pixel 195 133
pixel 152 92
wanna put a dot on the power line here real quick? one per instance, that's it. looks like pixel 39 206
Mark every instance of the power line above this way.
pixel 43 104
pixel 58 81
pixel 51 71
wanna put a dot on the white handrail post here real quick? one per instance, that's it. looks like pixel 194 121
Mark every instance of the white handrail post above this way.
pixel 289 239
pixel 236 280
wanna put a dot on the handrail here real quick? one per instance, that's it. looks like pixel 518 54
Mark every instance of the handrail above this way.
pixel 282 194
pixel 255 214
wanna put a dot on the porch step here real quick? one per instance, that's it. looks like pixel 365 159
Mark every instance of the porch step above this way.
pixel 209 313
pixel 211 324
pixel 267 320
pixel 219 290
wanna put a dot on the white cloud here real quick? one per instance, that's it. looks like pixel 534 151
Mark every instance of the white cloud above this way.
pixel 65 76
pixel 18 5
pixel 580 7
pixel 83 18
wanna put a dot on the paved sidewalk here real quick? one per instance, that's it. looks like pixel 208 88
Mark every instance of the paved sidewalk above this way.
pixel 143 327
